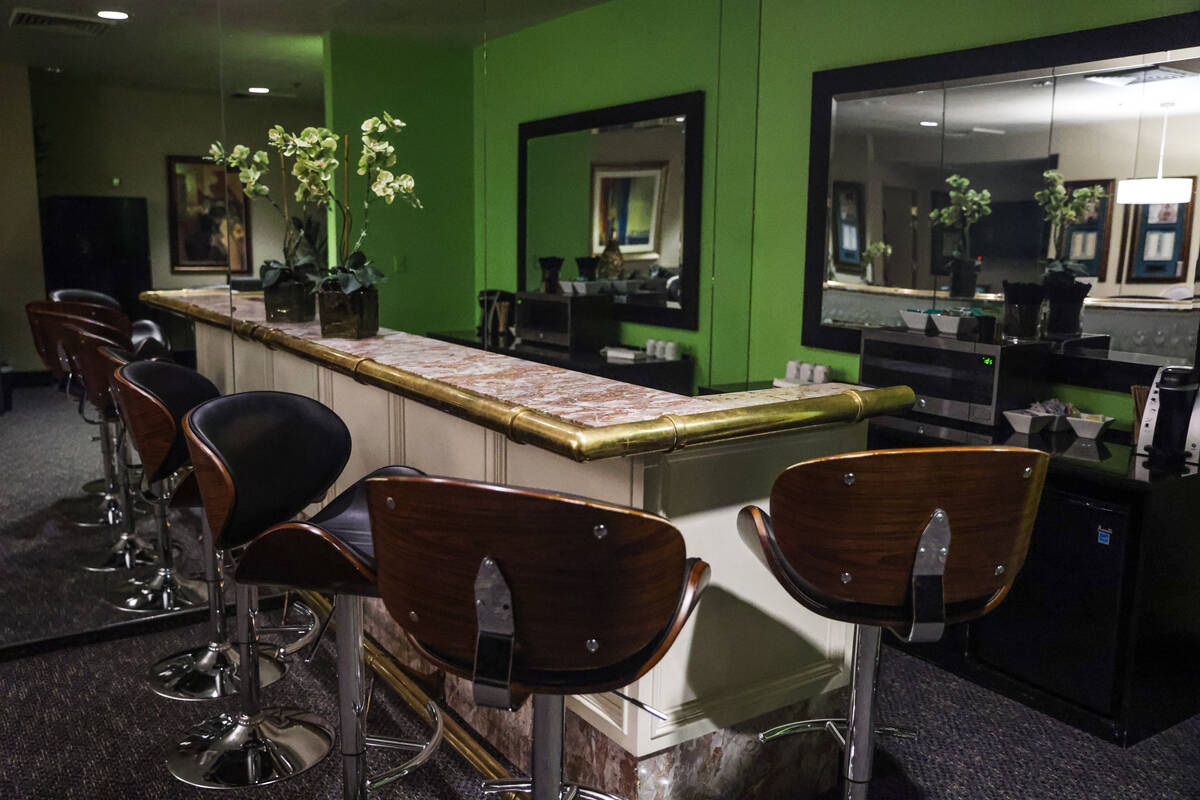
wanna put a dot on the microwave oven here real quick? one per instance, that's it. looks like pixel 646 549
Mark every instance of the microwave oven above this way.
pixel 955 378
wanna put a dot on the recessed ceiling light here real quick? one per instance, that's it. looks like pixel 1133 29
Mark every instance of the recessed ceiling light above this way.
pixel 112 15
pixel 928 123
pixel 258 90
pixel 681 119
pixel 54 70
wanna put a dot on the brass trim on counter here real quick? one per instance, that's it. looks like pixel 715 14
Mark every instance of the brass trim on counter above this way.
pixel 390 671
pixel 578 442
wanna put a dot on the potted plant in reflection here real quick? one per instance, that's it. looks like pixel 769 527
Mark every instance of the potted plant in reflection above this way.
pixel 967 206
pixel 872 253
pixel 287 284
pixel 1063 209
pixel 347 293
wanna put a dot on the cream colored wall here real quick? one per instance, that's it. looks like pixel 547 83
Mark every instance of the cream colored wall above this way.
pixel 20 231
pixel 95 133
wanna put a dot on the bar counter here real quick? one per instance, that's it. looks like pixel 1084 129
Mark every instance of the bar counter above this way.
pixel 748 650
pixel 583 417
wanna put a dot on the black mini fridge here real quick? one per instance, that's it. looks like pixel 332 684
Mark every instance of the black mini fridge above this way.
pixel 1059 627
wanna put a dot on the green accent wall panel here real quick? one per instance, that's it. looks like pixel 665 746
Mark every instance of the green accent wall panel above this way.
pixel 428 255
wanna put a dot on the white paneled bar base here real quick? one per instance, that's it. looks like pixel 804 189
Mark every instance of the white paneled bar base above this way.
pixel 749 648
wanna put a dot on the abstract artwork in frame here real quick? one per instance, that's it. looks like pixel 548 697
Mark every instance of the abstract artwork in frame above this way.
pixel 208 218
pixel 627 202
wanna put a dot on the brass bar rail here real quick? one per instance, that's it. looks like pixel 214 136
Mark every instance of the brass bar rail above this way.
pixel 578 442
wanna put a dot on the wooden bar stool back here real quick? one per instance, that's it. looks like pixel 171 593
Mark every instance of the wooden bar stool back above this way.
pixel 909 540
pixel 528 592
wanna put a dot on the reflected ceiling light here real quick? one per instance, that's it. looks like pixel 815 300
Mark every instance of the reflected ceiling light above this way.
pixel 112 15
pixel 1129 77
pixel 681 119
pixel 258 90
pixel 55 70
pixel 928 123
pixel 1144 191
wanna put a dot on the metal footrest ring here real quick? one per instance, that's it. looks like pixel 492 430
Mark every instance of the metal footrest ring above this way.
pixel 426 750
pixel 568 791
pixel 834 725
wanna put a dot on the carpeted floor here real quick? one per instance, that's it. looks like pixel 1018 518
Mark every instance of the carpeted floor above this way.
pixel 48 456
pixel 80 723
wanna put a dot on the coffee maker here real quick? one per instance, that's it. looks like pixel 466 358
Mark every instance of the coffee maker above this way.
pixel 1169 433
pixel 496 315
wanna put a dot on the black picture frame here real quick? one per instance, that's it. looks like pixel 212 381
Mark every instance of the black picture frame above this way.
pixel 1142 269
pixel 1099 223
pixel 848 232
pixel 1115 41
pixel 689 104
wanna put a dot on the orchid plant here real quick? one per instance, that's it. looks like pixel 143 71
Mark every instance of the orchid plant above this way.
pixel 315 162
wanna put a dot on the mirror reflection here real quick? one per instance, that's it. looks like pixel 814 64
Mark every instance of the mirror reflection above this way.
pixel 606 210
pixel 957 197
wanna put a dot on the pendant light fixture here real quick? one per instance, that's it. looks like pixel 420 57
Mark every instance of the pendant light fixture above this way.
pixel 1143 191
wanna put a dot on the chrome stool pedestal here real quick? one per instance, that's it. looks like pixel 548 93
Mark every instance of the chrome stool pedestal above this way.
pixel 257 746
pixel 210 671
pixel 106 489
pixel 130 551
pixel 165 591
pixel 546 782
pixel 353 702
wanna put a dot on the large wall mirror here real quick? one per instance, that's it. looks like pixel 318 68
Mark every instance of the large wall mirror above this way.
pixel 619 186
pixel 893 142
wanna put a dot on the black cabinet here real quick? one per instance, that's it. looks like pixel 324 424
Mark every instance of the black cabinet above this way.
pixel 1101 628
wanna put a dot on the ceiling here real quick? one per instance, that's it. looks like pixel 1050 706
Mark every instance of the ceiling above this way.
pixel 1012 105
pixel 229 45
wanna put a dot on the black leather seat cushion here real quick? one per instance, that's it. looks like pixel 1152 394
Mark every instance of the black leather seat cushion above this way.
pixel 346 517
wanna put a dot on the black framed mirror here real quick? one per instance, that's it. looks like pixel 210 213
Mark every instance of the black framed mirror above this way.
pixel 1001 115
pixel 619 185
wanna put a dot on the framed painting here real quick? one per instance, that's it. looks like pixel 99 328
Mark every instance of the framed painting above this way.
pixel 1087 240
pixel 208 218
pixel 627 203
pixel 1159 243
pixel 848 224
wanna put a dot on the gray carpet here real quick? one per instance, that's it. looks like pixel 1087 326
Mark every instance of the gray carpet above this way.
pixel 48 455
pixel 79 723
pixel 974 743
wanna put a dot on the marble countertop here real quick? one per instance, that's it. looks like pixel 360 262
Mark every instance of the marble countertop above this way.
pixel 562 395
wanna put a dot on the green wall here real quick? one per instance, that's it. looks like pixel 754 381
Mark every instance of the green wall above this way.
pixel 615 53
pixel 559 177
pixel 755 62
pixel 800 38
pixel 427 254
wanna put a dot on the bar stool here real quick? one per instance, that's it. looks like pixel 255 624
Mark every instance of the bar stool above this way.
pixel 141 330
pixel 259 458
pixel 333 552
pixel 526 592
pixel 865 538
pixel 152 398
pixel 47 324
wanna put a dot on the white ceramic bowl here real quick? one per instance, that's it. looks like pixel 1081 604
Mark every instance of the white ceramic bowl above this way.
pixel 1025 422
pixel 947 323
pixel 1089 428
pixel 916 320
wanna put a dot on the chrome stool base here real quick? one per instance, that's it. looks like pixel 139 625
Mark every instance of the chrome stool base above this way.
pixel 208 673
pixel 129 552
pixel 163 592
pixel 239 751
pixel 568 791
